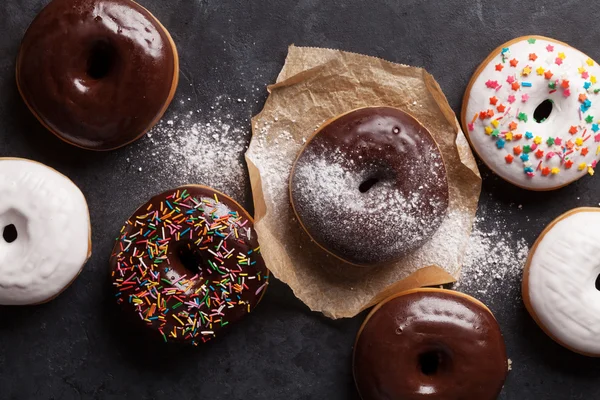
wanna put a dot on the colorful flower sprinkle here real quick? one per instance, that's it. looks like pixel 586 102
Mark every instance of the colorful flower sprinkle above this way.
pixel 572 80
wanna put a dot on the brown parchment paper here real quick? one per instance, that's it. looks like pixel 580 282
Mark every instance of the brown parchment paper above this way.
pixel 314 86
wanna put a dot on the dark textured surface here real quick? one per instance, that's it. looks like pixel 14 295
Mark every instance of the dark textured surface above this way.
pixel 77 346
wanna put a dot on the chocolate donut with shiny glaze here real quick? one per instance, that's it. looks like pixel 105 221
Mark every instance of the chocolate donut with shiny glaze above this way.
pixel 430 344
pixel 187 264
pixel 97 73
pixel 370 186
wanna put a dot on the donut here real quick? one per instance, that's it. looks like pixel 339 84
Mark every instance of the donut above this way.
pixel 97 73
pixel 561 281
pixel 430 344
pixel 370 185
pixel 187 264
pixel 45 232
pixel 532 113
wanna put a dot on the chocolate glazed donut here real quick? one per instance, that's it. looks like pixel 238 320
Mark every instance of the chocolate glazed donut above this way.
pixel 370 186
pixel 430 344
pixel 97 73
pixel 187 265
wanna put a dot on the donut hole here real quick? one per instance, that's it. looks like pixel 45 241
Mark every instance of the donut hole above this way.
pixel 431 362
pixel 13 227
pixel 598 282
pixel 543 111
pixel 368 184
pixel 9 233
pixel 14 236
pixel 190 257
pixel 101 60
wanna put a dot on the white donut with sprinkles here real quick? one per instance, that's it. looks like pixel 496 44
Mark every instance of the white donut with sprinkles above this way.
pixel 45 233
pixel 532 113
pixel 561 281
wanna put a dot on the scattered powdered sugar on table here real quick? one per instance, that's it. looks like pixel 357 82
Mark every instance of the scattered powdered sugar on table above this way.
pixel 211 153
pixel 198 147
pixel 494 257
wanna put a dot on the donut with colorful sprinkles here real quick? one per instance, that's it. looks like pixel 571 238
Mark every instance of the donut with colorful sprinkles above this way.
pixel 532 113
pixel 187 264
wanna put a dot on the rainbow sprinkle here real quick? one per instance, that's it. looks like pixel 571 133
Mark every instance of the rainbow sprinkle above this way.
pixel 188 264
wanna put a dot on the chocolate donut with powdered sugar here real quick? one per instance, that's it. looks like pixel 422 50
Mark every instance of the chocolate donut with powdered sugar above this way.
pixel 370 186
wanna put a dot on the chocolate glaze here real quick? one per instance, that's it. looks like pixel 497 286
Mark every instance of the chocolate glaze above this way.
pixel 399 213
pixel 98 73
pixel 430 345
pixel 183 247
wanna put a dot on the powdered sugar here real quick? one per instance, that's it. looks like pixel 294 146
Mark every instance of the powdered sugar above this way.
pixel 274 149
pixel 274 159
pixel 370 186
pixel 379 223
pixel 495 257
pixel 198 147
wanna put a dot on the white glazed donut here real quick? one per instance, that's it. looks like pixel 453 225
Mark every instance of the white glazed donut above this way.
pixel 560 281
pixel 527 80
pixel 44 232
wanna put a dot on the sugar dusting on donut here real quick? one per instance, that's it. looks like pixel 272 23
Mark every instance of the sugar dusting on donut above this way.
pixel 370 186
pixel 533 114
pixel 273 150
pixel 391 221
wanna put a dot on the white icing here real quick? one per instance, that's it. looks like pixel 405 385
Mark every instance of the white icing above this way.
pixel 562 277
pixel 575 67
pixel 52 221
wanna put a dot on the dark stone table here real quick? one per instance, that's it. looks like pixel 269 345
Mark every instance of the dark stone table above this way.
pixel 77 346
